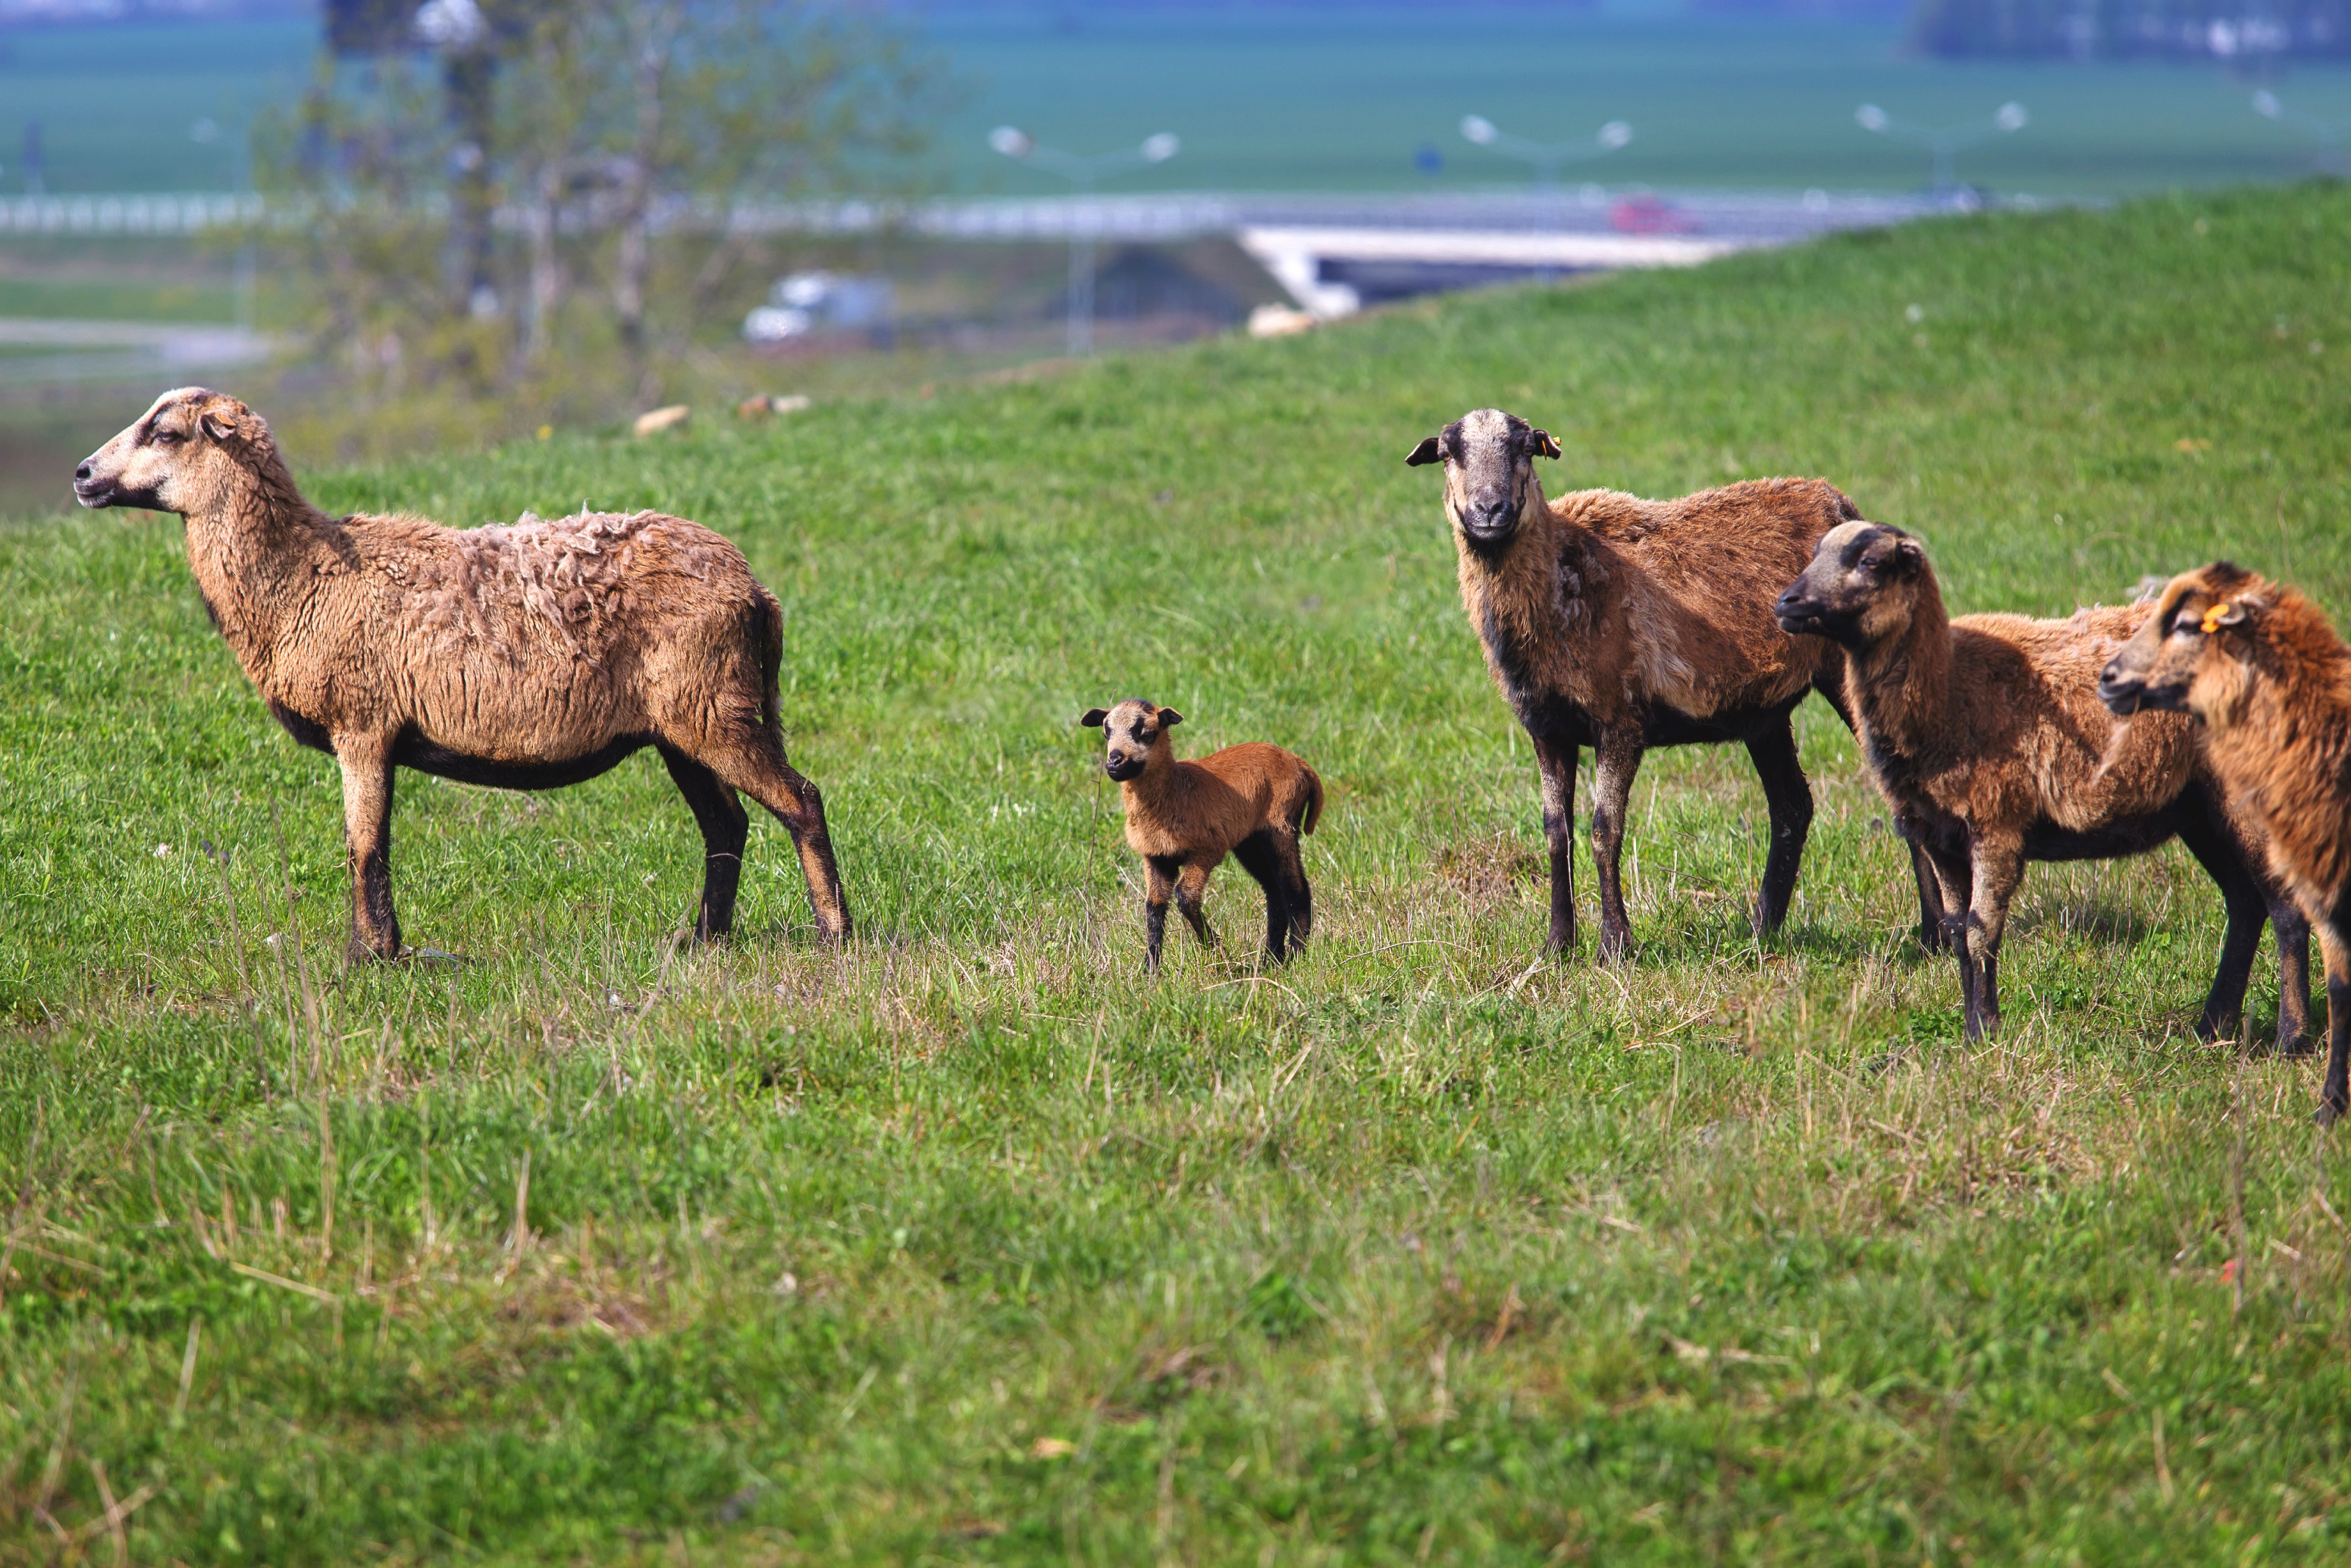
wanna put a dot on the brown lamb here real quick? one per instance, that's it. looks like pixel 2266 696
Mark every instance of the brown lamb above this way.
pixel 1622 623
pixel 1252 801
pixel 1985 735
pixel 2270 682
pixel 525 657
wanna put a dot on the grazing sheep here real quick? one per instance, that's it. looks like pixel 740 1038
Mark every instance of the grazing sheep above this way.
pixel 523 657
pixel 1252 801
pixel 2259 665
pixel 1986 734
pixel 1621 623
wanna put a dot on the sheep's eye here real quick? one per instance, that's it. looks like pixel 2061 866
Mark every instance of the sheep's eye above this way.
pixel 165 437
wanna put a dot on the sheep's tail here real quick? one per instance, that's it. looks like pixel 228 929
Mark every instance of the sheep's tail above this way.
pixel 768 630
pixel 1313 812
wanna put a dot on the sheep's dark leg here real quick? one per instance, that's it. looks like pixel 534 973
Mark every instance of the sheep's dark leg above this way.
pixel 1618 760
pixel 1262 859
pixel 1191 887
pixel 1932 912
pixel 1933 917
pixel 1997 865
pixel 2335 949
pixel 2222 856
pixel 366 762
pixel 1790 799
pixel 1555 761
pixel 1159 881
pixel 1953 884
pixel 726 827
pixel 2291 930
pixel 1301 892
pixel 755 765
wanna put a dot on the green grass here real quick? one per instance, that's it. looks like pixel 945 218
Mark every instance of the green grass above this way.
pixel 970 1244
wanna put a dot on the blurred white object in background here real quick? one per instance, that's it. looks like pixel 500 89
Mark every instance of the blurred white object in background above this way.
pixel 1278 322
pixel 804 302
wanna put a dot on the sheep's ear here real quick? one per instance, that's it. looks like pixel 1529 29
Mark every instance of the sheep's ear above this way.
pixel 218 423
pixel 1908 558
pixel 1169 718
pixel 2228 612
pixel 1542 446
pixel 1428 451
pixel 1093 716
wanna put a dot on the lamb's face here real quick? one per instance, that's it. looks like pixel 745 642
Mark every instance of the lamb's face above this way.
pixel 1137 733
pixel 174 459
pixel 2193 654
pixel 1858 590
pixel 1489 473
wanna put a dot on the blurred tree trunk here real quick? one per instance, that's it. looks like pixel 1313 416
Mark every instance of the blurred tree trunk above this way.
pixel 652 26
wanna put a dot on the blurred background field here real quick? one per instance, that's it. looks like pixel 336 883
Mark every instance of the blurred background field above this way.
pixel 1325 99
pixel 1310 99
pixel 1321 97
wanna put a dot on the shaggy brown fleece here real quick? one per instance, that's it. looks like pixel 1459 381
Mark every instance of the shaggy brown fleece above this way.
pixel 525 656
pixel 1252 801
pixel 1985 735
pixel 2270 682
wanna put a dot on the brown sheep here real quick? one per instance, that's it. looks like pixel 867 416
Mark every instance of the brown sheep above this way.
pixel 1985 735
pixel 2258 667
pixel 1252 801
pixel 1622 623
pixel 523 657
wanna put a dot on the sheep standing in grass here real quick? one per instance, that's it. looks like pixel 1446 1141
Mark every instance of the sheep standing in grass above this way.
pixel 1252 801
pixel 523 657
pixel 1986 733
pixel 1620 623
pixel 2269 681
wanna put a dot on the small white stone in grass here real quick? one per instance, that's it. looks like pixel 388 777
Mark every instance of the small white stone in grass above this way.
pixel 162 852
pixel 787 1284
pixel 1915 314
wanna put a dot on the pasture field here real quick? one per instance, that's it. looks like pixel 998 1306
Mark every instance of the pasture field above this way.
pixel 1317 97
pixel 969 1243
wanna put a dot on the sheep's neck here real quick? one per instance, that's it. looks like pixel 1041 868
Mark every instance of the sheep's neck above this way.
pixel 1157 789
pixel 1903 682
pixel 259 551
pixel 2284 746
pixel 1519 586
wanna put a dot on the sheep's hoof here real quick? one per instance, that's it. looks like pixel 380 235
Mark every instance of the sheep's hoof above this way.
pixel 2329 1110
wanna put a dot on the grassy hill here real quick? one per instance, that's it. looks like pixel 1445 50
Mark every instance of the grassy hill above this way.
pixel 970 1243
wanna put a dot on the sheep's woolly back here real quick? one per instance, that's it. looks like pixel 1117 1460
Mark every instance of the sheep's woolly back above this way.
pixel 1621 606
pixel 575 573
pixel 1994 721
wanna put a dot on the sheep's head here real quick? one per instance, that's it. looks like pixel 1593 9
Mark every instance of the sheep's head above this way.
pixel 1137 733
pixel 1489 474
pixel 1860 587
pixel 179 456
pixel 2195 653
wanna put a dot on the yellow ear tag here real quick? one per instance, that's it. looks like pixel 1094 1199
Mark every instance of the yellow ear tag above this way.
pixel 2212 616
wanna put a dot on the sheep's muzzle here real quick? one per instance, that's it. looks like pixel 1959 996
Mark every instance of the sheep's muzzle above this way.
pixel 2126 693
